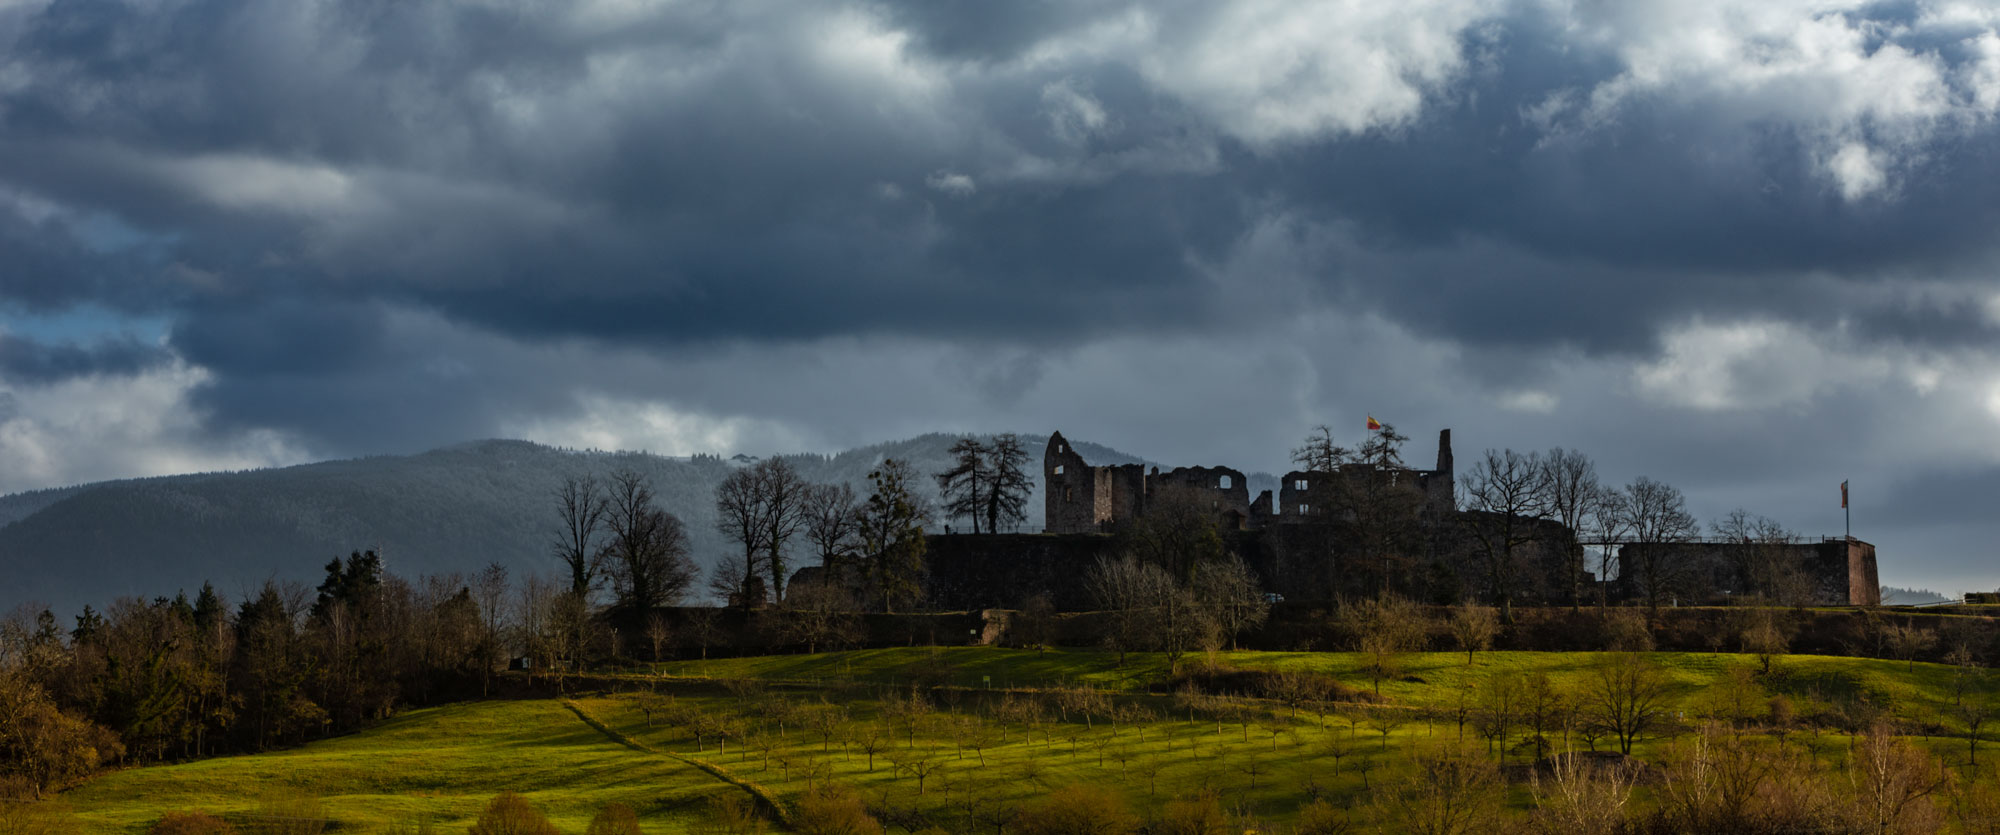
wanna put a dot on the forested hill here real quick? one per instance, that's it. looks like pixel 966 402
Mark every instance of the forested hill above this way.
pixel 452 509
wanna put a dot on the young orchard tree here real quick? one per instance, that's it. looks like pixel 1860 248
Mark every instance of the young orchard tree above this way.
pixel 1656 517
pixel 1569 487
pixel 1383 629
pixel 582 504
pixel 1505 499
pixel 891 531
pixel 963 487
pixel 1627 695
pixel 1474 626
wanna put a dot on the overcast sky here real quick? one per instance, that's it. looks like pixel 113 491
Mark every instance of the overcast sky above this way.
pixel 1747 248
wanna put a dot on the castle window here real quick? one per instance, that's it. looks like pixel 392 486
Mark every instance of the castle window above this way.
pixel 1059 469
pixel 1299 484
pixel 1223 483
pixel 1302 510
pixel 1069 495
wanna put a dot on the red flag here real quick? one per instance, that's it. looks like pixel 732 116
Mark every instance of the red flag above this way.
pixel 1373 424
pixel 1843 495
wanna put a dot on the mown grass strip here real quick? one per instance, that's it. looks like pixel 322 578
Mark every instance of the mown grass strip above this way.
pixel 763 796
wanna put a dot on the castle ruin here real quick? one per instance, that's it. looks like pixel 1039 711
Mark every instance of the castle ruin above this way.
pixel 1081 498
pixel 1286 536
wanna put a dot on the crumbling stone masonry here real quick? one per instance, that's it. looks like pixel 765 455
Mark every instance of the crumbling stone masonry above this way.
pixel 1081 498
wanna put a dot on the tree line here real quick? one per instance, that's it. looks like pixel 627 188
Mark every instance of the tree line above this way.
pixel 177 678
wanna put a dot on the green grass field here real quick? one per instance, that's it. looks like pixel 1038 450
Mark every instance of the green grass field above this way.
pixel 817 717
pixel 1921 693
pixel 439 765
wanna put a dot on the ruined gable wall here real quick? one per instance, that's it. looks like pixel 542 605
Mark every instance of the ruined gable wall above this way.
pixel 1294 490
pixel 1226 490
pixel 1070 500
pixel 1125 494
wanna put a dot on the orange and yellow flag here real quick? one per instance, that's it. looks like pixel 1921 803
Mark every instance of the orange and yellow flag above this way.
pixel 1373 424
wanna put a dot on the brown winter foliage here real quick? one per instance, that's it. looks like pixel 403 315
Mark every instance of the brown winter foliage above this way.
pixel 834 810
pixel 512 814
pixel 1079 810
pixel 191 823
pixel 616 819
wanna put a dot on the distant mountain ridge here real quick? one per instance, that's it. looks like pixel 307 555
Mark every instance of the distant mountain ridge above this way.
pixel 451 509
pixel 1892 595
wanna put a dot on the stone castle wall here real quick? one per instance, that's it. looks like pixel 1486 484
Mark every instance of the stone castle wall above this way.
pixel 1838 572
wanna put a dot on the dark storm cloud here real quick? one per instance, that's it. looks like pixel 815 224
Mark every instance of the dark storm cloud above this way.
pixel 674 212
pixel 313 193
pixel 31 362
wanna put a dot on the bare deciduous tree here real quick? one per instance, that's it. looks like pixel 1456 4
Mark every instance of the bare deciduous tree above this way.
pixel 489 588
pixel 1604 524
pixel 1383 629
pixel 832 521
pixel 1628 696
pixel 1655 517
pixel 1230 597
pixel 1505 498
pixel 817 614
pixel 1474 626
pixel 1451 792
pixel 785 502
pixel 1570 487
pixel 1894 783
pixel 648 549
pixel 1575 796
pixel 739 512
pixel 582 505
pixel 1767 566
pixel 1147 609
pixel 658 632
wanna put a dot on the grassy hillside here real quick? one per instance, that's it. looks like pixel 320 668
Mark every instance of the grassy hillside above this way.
pixel 439 765
pixel 1921 693
pixel 962 756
